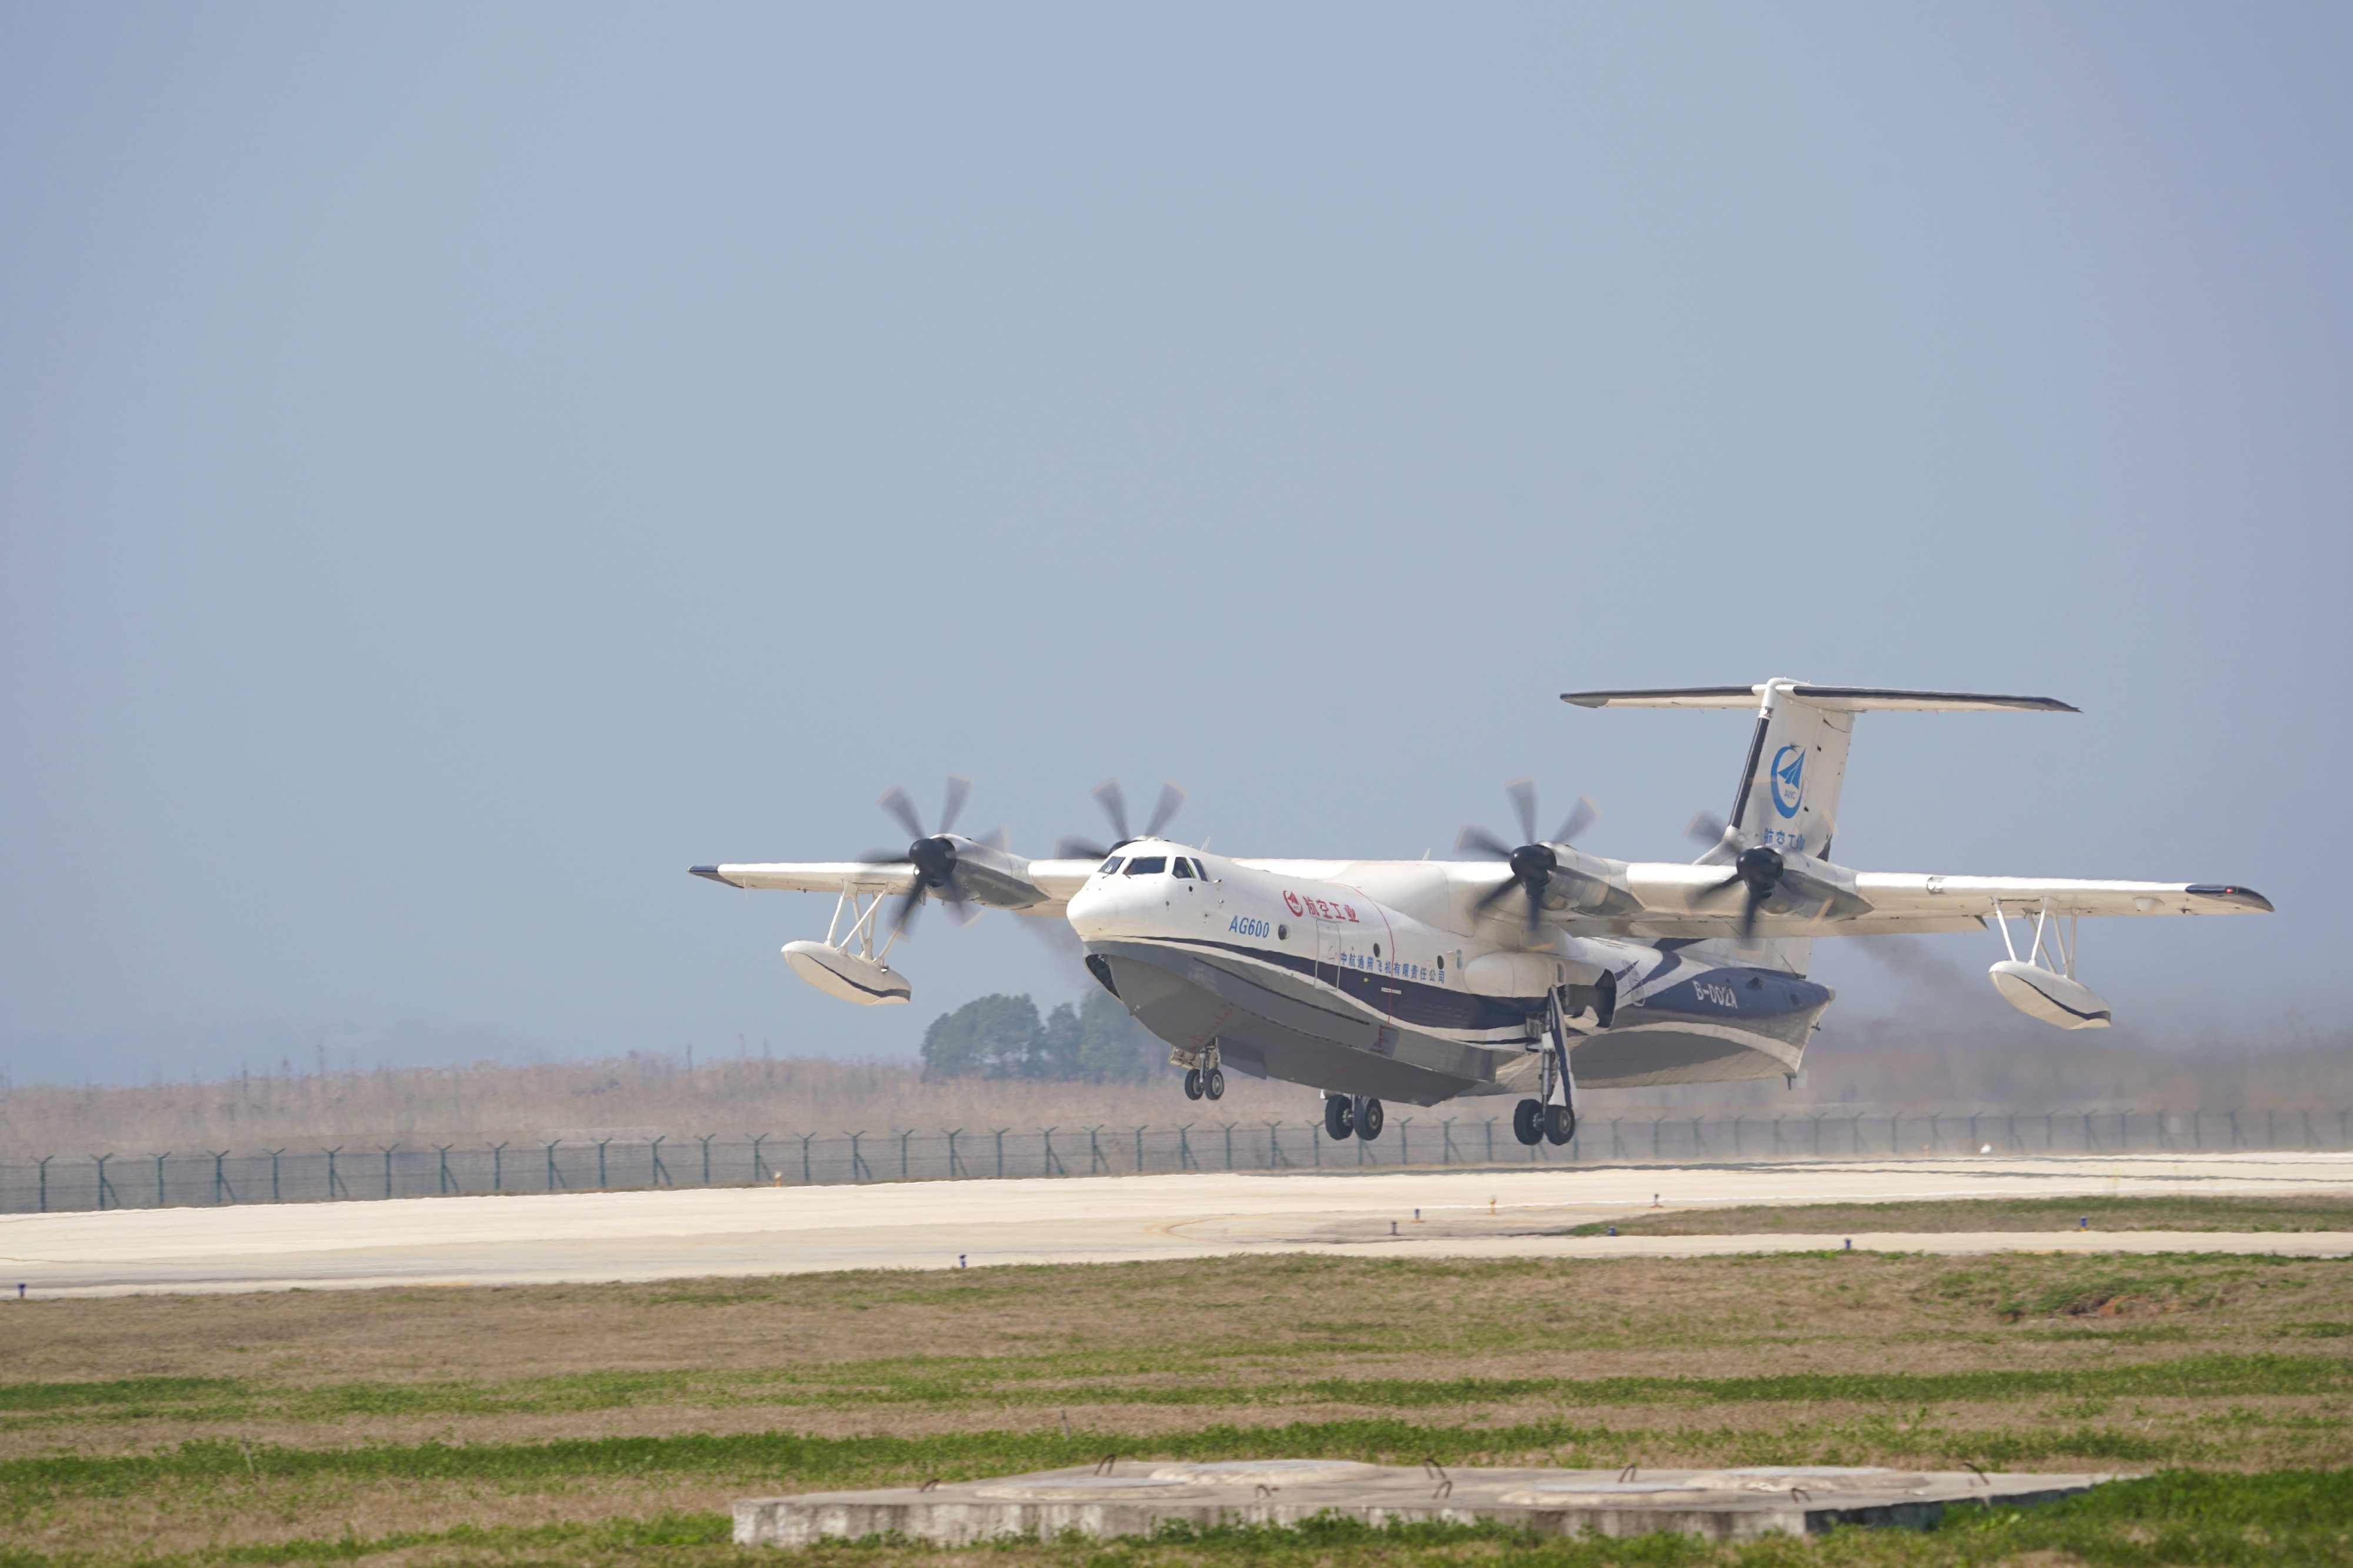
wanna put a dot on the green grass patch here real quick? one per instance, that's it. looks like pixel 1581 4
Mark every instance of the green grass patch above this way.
pixel 2315 1212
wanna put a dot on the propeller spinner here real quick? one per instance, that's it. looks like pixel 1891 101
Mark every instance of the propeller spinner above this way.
pixel 1536 863
pixel 933 855
pixel 1760 873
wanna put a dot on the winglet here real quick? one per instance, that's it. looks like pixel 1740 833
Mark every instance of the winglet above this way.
pixel 2245 898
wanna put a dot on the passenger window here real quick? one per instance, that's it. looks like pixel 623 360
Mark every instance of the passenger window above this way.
pixel 1108 867
pixel 1147 865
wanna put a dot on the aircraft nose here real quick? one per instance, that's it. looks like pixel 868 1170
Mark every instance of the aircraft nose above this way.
pixel 1088 906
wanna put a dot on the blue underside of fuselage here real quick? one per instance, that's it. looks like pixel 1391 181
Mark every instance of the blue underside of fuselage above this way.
pixel 1738 996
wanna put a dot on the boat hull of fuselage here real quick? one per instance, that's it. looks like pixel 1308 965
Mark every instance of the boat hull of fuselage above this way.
pixel 1270 1022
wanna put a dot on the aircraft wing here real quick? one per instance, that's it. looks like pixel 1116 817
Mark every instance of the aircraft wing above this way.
pixel 815 876
pixel 1913 901
pixel 1895 893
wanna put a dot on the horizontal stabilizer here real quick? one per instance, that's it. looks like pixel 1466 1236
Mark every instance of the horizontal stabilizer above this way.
pixel 1834 698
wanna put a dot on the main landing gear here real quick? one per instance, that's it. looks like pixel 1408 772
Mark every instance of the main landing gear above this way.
pixel 1357 1116
pixel 1538 1119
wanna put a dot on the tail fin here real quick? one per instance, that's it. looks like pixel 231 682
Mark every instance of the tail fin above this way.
pixel 1788 792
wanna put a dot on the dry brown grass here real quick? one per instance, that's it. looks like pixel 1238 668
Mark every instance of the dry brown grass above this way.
pixel 628 1097
pixel 1131 1353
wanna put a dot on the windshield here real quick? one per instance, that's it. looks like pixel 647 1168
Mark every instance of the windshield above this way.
pixel 1108 867
pixel 1147 865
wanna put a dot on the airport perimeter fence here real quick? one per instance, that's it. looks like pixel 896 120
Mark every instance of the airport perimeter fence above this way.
pixel 130 1179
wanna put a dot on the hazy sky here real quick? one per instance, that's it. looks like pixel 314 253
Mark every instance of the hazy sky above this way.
pixel 460 465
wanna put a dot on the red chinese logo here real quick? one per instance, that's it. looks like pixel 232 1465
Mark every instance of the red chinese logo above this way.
pixel 1292 899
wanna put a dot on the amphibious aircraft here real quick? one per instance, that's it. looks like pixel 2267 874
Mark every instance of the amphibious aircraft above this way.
pixel 1535 969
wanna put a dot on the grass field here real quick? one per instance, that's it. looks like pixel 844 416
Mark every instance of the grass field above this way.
pixel 614 1424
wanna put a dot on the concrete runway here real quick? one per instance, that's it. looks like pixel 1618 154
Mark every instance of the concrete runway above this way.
pixel 584 1237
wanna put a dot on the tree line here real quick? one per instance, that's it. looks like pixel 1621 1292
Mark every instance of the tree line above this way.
pixel 1003 1037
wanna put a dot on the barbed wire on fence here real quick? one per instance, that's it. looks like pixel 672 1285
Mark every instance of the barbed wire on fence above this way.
pixel 47 1182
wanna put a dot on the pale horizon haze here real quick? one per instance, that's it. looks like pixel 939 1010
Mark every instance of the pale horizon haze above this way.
pixel 461 466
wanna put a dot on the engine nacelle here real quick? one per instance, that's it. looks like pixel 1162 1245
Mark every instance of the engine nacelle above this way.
pixel 2044 993
pixel 846 974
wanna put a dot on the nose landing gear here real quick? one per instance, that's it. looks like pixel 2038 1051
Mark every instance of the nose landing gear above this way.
pixel 1203 1076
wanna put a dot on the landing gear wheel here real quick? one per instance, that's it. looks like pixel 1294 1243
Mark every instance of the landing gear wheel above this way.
pixel 1192 1083
pixel 1368 1119
pixel 1213 1083
pixel 1339 1116
pixel 1559 1123
pixel 1527 1121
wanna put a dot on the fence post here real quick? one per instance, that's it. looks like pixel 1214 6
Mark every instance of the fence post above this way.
pixel 554 1178
pixel 661 1171
pixel 1817 1137
pixel 1139 1150
pixel 1315 1141
pixel 1051 1166
pixel 386 1148
pixel 1405 1140
pixel 760 1171
pixel 2090 1144
pixel 1656 1124
pixel 956 1162
pixel 859 1171
pixel 904 1135
pixel 1446 1142
pixel 705 1141
pixel 498 1167
pixel 43 1162
pixel 1095 1161
pixel 1699 1140
pixel 159 1177
pixel 1185 1161
pixel 1276 1160
pixel 806 1180
pixel 2234 1128
pixel 273 1173
pixel 105 1187
pixel 220 1176
pixel 334 1181
pixel 1230 1145
pixel 600 1163
pixel 449 1182
pixel 1490 1140
pixel 999 1134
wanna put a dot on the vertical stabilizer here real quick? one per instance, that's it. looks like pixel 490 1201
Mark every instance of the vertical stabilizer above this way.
pixel 1789 793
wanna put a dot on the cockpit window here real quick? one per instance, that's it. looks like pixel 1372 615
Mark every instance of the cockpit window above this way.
pixel 1108 867
pixel 1181 867
pixel 1147 865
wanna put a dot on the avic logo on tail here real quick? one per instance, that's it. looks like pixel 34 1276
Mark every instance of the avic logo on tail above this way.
pixel 1789 779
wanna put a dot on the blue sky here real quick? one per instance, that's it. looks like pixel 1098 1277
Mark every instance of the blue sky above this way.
pixel 460 466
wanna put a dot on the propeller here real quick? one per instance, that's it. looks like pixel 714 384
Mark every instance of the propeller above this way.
pixel 1534 863
pixel 1114 801
pixel 933 855
pixel 1762 872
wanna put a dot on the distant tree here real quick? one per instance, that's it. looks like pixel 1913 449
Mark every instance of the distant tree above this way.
pixel 988 1036
pixel 1001 1037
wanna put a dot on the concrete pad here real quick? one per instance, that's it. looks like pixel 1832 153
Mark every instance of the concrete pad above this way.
pixel 1476 1213
pixel 1135 1498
